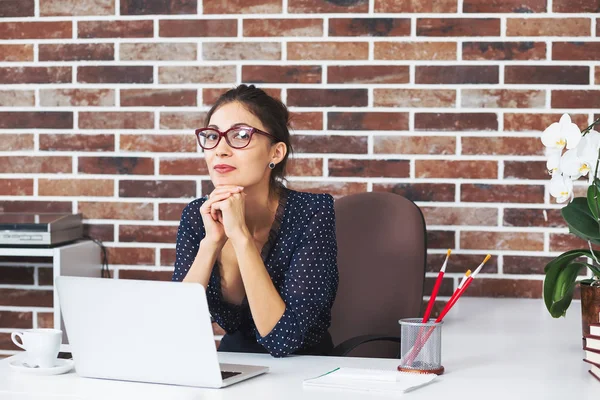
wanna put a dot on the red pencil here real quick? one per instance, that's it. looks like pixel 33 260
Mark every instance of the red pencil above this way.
pixel 436 288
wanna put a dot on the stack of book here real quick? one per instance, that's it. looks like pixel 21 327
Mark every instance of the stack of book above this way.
pixel 592 350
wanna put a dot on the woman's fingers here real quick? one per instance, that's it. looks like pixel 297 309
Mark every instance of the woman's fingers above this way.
pixel 206 207
pixel 225 189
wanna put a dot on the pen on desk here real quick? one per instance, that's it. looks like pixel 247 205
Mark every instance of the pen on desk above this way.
pixel 436 288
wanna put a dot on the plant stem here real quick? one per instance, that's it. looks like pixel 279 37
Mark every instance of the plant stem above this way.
pixel 589 128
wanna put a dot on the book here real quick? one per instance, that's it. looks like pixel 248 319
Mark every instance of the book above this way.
pixel 592 342
pixel 370 380
pixel 595 329
pixel 592 356
pixel 594 369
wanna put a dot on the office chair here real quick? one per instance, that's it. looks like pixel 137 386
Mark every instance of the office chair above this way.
pixel 382 251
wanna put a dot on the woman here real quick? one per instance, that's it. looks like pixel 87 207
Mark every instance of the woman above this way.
pixel 266 254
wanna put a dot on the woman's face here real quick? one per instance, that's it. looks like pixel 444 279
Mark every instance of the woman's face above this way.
pixel 243 167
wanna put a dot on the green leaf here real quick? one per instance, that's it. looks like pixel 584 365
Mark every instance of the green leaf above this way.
pixel 563 290
pixel 593 199
pixel 580 219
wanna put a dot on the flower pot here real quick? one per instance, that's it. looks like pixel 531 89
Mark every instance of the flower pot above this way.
pixel 590 306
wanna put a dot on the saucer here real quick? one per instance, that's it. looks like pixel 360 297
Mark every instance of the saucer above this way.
pixel 60 367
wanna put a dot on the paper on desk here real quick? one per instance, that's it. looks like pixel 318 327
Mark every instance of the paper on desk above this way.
pixel 370 380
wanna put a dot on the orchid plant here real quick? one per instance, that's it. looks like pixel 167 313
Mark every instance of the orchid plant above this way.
pixel 573 154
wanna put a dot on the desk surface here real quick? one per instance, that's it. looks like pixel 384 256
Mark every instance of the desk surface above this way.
pixel 491 349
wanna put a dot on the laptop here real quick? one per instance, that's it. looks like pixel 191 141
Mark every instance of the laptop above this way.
pixel 144 331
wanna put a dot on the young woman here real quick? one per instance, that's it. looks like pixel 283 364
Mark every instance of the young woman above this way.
pixel 265 254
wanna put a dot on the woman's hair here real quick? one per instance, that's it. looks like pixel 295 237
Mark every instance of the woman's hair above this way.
pixel 272 113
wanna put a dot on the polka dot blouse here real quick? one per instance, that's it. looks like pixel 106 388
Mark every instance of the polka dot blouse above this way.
pixel 300 256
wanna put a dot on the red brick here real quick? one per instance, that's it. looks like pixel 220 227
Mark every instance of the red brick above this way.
pixel 512 146
pixel 158 143
pixel 148 233
pixel 503 51
pixel 135 7
pixel 396 144
pixel 76 7
pixel 327 50
pixel 486 240
pixel 461 262
pixel 19 75
pixel 36 30
pixel 158 51
pixel 183 166
pixel 116 210
pixel 445 27
pixel 130 256
pixel 115 29
pixel 281 74
pixel 419 191
pixel 305 167
pixel 456 169
pixel 103 232
pixel 330 144
pixel 193 74
pixel 327 97
pixel 306 120
pixel 525 170
pixel 145 275
pixel 157 189
pixel 16 275
pixel 503 98
pixel 577 6
pixel 360 121
pixel 45 276
pixel 16 187
pixel 77 52
pixel 15 142
pixel 36 165
pixel 446 288
pixel 115 74
pixel 211 95
pixel 460 216
pixel 558 74
pixel 17 98
pixel 456 121
pixel 548 26
pixel 241 7
pixel 325 6
pixel 567 241
pixel 16 52
pixel 167 257
pixel 75 142
pixel 77 97
pixel 487 287
pixel 414 98
pixel 370 168
pixel 415 51
pixel 158 98
pixel 533 217
pixel 116 165
pixel 502 193
pixel 525 264
pixel 575 51
pixel 462 74
pixel 17 8
pixel 575 99
pixel 182 120
pixel 416 6
pixel 368 74
pixel 336 189
pixel 170 211
pixel 16 319
pixel 369 27
pixel 441 239
pixel 504 6
pixel 254 27
pixel 76 187
pixel 538 122
pixel 36 206
pixel 26 298
pixel 116 120
pixel 45 320
pixel 198 28
pixel 241 51
pixel 6 342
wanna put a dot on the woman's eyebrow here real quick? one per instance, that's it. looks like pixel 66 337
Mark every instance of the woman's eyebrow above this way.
pixel 232 126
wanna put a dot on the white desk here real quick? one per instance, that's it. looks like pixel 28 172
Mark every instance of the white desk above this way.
pixel 491 349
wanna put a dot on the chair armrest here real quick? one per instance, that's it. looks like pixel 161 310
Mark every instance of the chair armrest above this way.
pixel 342 349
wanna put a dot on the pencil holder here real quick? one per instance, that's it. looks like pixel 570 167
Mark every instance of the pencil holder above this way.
pixel 421 346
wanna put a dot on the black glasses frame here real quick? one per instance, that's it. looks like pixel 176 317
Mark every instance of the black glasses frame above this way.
pixel 224 135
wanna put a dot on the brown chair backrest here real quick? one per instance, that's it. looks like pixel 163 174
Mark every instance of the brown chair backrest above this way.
pixel 382 253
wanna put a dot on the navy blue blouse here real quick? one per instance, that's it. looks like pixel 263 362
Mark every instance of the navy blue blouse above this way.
pixel 300 256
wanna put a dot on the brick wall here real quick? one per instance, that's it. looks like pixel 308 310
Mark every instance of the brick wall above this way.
pixel 440 101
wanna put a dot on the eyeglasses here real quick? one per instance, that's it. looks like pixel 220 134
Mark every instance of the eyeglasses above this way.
pixel 237 137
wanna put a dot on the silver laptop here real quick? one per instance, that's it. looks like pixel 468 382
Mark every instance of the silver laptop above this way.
pixel 145 331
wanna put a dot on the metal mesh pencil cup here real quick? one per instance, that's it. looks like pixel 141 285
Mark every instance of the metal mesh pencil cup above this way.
pixel 421 346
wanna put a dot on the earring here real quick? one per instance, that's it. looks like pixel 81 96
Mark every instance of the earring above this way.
pixel 271 165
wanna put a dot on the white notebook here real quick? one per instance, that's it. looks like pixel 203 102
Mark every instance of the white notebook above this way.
pixel 370 380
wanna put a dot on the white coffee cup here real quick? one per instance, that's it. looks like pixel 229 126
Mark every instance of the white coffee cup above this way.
pixel 42 346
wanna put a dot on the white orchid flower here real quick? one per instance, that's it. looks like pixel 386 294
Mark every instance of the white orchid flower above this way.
pixel 561 134
pixel 587 151
pixel 561 187
pixel 573 166
pixel 553 162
